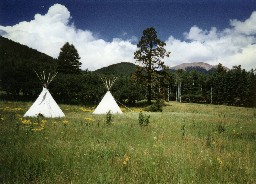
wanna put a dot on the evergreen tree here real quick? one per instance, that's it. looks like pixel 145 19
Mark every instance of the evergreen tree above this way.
pixel 149 55
pixel 219 85
pixel 251 85
pixel 68 60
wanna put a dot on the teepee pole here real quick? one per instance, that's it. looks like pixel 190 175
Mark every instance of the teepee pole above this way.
pixel 48 78
pixel 37 75
pixel 43 76
pixel 53 77
pixel 108 83
pixel 45 79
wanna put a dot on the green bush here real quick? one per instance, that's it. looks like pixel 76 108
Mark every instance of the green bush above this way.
pixel 157 106
pixel 143 119
pixel 109 118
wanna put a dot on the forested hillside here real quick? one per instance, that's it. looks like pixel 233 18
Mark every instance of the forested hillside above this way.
pixel 17 65
pixel 119 69
pixel 235 86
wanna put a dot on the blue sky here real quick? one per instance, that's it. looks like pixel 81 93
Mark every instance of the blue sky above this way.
pixel 109 30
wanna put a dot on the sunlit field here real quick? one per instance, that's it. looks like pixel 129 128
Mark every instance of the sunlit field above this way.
pixel 186 143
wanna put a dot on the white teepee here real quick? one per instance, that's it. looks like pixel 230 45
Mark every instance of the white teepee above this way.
pixel 45 104
pixel 108 102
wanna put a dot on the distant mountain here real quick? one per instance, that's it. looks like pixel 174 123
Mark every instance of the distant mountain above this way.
pixel 123 68
pixel 184 66
pixel 198 66
pixel 126 69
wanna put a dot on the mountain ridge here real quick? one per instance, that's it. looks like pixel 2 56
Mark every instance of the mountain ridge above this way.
pixel 122 68
pixel 126 68
pixel 189 66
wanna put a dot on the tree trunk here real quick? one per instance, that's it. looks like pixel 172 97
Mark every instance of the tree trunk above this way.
pixel 149 93
pixel 150 75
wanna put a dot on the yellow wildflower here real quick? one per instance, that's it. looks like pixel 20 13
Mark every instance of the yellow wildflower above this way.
pixel 220 161
pixel 126 160
pixel 88 119
pixel 43 121
pixel 12 109
pixel 85 110
pixel 37 129
pixel 65 121
pixel 25 122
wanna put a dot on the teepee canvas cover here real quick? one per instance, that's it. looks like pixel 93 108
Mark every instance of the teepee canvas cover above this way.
pixel 108 102
pixel 45 104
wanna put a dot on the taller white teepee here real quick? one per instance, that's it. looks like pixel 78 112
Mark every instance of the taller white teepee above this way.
pixel 45 104
pixel 108 102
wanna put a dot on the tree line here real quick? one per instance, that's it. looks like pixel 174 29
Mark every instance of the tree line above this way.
pixel 152 79
pixel 221 86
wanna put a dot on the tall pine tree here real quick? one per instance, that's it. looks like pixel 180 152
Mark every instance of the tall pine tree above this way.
pixel 68 60
pixel 150 55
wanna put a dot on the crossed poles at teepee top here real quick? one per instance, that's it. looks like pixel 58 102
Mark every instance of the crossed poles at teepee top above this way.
pixel 108 83
pixel 46 80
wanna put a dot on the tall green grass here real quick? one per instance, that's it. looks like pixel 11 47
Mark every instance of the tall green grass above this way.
pixel 186 143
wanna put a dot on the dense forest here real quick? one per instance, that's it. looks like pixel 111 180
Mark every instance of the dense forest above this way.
pixel 235 86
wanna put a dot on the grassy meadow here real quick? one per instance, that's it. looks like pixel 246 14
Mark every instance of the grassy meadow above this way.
pixel 186 143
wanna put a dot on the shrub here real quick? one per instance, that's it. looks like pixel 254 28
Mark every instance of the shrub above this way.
pixel 221 128
pixel 183 130
pixel 143 119
pixel 157 106
pixel 109 118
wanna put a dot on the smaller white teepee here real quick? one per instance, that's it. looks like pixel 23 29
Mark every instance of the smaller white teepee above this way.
pixel 108 102
pixel 45 104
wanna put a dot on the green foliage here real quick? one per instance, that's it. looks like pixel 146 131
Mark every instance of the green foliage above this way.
pixel 220 128
pixel 150 56
pixel 68 60
pixel 109 118
pixel 17 65
pixel 124 153
pixel 128 91
pixel 156 106
pixel 18 80
pixel 209 140
pixel 143 119
pixel 193 98
pixel 183 130
pixel 119 69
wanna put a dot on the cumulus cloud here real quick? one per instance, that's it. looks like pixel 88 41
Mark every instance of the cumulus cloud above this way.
pixel 247 27
pixel 47 33
pixel 232 46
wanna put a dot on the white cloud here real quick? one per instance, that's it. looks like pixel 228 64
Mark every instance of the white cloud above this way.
pixel 247 27
pixel 47 33
pixel 231 46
